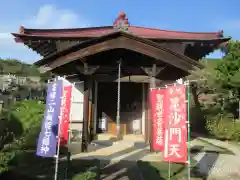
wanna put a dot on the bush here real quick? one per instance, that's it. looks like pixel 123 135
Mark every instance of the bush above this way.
pixel 89 175
pixel 30 114
pixel 224 128
pixel 20 127
pixel 5 158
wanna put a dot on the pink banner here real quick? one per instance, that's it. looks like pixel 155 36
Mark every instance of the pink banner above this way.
pixel 175 136
pixel 157 111
pixel 66 107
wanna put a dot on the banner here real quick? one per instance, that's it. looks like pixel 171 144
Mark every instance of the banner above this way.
pixel 175 136
pixel 47 141
pixel 157 114
pixel 66 107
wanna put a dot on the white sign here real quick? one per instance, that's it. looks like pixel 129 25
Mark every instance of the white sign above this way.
pixel 136 124
pixel 102 123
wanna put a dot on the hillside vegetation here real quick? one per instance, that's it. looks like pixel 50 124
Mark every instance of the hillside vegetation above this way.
pixel 14 66
pixel 17 67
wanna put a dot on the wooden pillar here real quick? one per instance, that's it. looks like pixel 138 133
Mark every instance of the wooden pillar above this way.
pixel 146 113
pixel 88 71
pixel 90 111
pixel 95 108
pixel 85 116
pixel 152 73
pixel 93 121
pixel 152 85
pixel 143 110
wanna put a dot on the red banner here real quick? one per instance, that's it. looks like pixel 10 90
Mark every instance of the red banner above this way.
pixel 157 110
pixel 175 136
pixel 66 107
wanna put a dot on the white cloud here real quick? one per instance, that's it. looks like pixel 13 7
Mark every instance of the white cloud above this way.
pixel 48 16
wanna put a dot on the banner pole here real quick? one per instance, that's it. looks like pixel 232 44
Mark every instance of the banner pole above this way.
pixel 169 170
pixel 58 140
pixel 188 127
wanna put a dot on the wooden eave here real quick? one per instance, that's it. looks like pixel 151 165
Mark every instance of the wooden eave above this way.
pixel 46 45
pixel 26 37
pixel 149 33
pixel 118 40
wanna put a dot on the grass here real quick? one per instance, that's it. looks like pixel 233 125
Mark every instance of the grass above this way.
pixel 209 147
pixel 159 170
pixel 28 166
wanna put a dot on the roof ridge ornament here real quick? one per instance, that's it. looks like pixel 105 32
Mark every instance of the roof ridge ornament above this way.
pixel 121 23
pixel 21 30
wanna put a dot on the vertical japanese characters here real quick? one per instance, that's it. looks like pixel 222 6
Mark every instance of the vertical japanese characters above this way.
pixel 158 100
pixel 65 108
pixel 175 141
pixel 47 140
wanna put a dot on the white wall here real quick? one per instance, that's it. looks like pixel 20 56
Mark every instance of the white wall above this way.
pixel 76 114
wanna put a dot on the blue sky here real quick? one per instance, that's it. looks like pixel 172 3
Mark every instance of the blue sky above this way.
pixel 184 15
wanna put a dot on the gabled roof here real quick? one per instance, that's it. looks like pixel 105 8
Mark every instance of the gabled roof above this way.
pixel 48 41
pixel 92 32
pixel 125 40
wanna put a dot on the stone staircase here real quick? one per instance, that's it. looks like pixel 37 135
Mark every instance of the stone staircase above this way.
pixel 109 139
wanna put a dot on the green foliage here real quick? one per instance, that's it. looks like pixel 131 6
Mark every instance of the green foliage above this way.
pixel 228 78
pixel 160 170
pixel 14 66
pixel 224 128
pixel 228 70
pixel 30 114
pixel 89 175
pixel 17 67
pixel 19 130
pixel 219 84
pixel 5 158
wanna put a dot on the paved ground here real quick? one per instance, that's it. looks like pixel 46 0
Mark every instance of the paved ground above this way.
pixel 123 170
pixel 119 160
pixel 223 165
pixel 123 150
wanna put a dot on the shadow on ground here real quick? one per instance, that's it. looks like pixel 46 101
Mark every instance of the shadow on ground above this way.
pixel 199 169
pixel 28 166
pixel 32 167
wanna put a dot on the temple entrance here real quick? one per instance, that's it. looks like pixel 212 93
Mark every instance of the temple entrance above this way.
pixel 130 107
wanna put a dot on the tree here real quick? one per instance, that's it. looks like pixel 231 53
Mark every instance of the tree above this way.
pixel 228 77
pixel 14 66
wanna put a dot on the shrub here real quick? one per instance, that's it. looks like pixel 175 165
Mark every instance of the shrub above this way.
pixel 20 126
pixel 30 114
pixel 224 128
pixel 89 175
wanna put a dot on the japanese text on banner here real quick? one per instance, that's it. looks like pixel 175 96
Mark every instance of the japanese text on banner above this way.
pixel 175 142
pixel 66 107
pixel 47 138
pixel 157 101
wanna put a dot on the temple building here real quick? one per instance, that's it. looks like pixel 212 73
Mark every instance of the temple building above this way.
pixel 117 65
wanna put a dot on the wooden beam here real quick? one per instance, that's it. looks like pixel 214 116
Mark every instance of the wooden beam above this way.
pixel 87 70
pixel 149 71
pixel 126 43
pixel 42 47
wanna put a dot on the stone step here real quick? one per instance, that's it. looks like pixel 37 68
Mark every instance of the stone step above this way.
pixel 133 137
pixel 108 136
